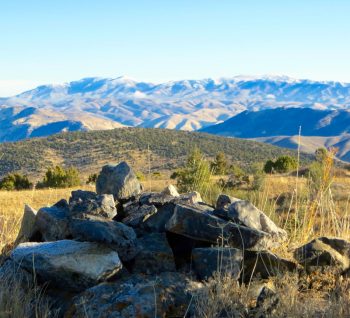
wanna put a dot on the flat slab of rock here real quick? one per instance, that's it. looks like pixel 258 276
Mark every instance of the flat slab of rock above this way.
pixel 163 295
pixel 246 213
pixel 116 235
pixel 324 251
pixel 119 180
pixel 155 255
pixel 197 224
pixel 68 264
pixel 225 261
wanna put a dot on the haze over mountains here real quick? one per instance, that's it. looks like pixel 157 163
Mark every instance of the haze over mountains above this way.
pixel 99 103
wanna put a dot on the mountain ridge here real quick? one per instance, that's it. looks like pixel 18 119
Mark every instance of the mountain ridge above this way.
pixel 100 103
pixel 319 128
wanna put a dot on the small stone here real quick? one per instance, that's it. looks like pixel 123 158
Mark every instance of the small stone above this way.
pixel 171 190
pixel 224 201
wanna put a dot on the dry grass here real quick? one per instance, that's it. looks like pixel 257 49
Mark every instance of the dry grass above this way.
pixel 223 296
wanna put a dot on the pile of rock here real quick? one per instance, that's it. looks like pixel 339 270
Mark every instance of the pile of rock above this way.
pixel 123 253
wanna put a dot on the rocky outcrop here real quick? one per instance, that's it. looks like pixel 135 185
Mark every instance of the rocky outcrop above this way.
pixel 165 295
pixel 68 264
pixel 123 253
pixel 118 180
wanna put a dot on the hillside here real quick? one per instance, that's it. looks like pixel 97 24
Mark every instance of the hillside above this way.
pixel 319 128
pixel 104 103
pixel 89 150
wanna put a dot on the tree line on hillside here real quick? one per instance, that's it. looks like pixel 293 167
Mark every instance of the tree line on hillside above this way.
pixel 55 177
pixel 194 175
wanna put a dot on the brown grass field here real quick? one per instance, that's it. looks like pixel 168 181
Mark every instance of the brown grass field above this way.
pixel 335 206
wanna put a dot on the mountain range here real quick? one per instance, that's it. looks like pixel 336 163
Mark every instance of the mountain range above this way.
pixel 104 103
pixel 280 127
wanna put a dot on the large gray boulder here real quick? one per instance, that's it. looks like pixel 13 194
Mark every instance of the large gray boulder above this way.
pixel 163 295
pixel 196 223
pixel 28 228
pixel 114 234
pixel 52 223
pixel 246 213
pixel 155 255
pixel 324 251
pixel 119 180
pixel 67 264
pixel 87 202
pixel 211 260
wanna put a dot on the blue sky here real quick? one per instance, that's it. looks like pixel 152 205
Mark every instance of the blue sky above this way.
pixel 55 41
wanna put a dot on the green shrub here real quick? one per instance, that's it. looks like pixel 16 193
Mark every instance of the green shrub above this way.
pixel 269 166
pixel 258 176
pixel 15 181
pixel 58 177
pixel 220 165
pixel 195 176
pixel 283 164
